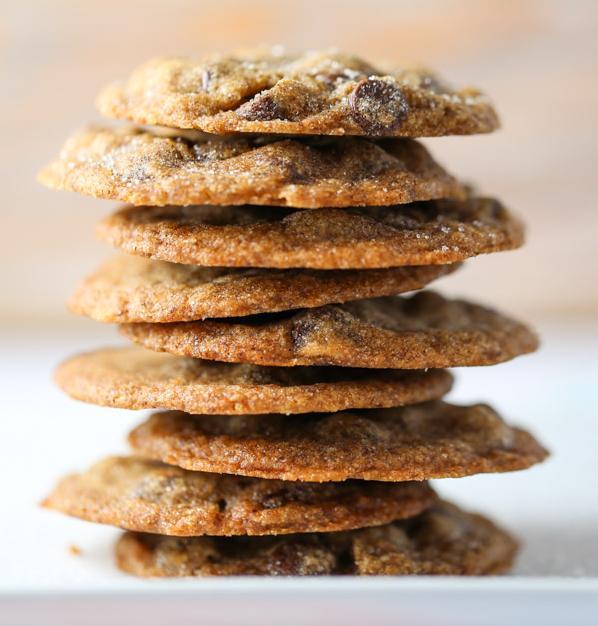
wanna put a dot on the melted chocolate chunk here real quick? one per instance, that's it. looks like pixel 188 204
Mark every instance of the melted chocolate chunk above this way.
pixel 378 106
pixel 262 108
pixel 300 557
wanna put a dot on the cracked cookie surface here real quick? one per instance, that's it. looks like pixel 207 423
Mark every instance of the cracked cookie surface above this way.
pixel 141 167
pixel 442 541
pixel 422 233
pixel 149 496
pixel 421 331
pixel 134 289
pixel 417 442
pixel 133 378
pixel 316 92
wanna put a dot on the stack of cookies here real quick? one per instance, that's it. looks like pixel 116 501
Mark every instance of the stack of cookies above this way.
pixel 260 279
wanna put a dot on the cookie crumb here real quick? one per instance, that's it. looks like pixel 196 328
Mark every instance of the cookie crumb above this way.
pixel 74 550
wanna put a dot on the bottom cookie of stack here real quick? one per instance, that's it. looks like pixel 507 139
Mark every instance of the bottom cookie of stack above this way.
pixel 442 540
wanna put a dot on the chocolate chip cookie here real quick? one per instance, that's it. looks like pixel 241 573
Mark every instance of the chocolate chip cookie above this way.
pixel 149 496
pixel 417 442
pixel 424 233
pixel 142 167
pixel 418 332
pixel 268 90
pixel 134 289
pixel 133 378
pixel 441 541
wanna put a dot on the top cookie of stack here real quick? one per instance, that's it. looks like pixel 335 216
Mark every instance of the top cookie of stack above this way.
pixel 240 285
pixel 314 93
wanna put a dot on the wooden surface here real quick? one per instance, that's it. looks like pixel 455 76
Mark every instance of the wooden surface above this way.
pixel 536 59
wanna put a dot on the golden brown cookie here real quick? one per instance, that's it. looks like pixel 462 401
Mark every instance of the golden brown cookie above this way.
pixel 418 442
pixel 417 332
pixel 148 496
pixel 424 233
pixel 318 93
pixel 141 167
pixel 443 540
pixel 133 378
pixel 134 289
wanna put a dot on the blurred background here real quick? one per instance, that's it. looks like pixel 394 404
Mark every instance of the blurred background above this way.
pixel 537 60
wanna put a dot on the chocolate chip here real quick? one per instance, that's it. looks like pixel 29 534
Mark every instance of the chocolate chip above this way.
pixel 302 328
pixel 334 78
pixel 287 558
pixel 345 562
pixel 378 106
pixel 295 172
pixel 261 108
pixel 275 499
pixel 292 492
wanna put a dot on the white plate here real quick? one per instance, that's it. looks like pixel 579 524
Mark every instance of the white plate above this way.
pixel 553 508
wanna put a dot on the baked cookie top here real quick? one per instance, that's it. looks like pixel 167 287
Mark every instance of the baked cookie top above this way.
pixel 133 378
pixel 143 167
pixel 417 442
pixel 315 92
pixel 443 540
pixel 405 332
pixel 423 233
pixel 134 289
pixel 148 496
